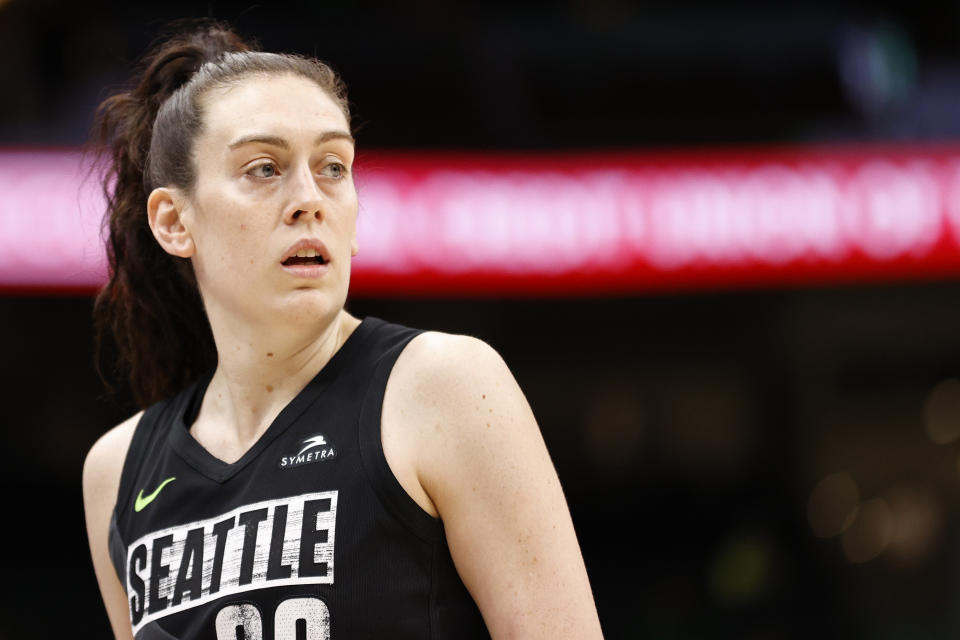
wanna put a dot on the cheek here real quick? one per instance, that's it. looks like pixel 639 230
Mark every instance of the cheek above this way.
pixel 348 222
pixel 243 234
pixel 230 247
pixel 348 235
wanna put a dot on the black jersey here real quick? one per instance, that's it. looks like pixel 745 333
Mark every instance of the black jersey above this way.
pixel 308 536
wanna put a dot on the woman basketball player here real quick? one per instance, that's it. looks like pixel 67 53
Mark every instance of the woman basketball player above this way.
pixel 297 473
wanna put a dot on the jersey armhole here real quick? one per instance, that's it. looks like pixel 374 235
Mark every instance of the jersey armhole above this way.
pixel 142 436
pixel 118 551
pixel 142 439
pixel 394 497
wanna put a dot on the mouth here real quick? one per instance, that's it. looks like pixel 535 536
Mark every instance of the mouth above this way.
pixel 308 258
pixel 305 257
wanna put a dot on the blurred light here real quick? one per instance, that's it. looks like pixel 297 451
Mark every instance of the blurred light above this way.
pixel 870 532
pixel 742 569
pixel 941 412
pixel 707 426
pixel 541 224
pixel 833 505
pixel 878 67
pixel 917 520
pixel 614 427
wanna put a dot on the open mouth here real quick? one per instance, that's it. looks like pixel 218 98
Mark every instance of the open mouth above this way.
pixel 304 257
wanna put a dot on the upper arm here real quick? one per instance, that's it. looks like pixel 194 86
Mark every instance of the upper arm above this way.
pixel 101 481
pixel 478 454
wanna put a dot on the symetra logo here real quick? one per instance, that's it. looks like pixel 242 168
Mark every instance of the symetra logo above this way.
pixel 313 449
pixel 142 501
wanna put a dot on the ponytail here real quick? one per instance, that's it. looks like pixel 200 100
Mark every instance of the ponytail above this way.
pixel 150 306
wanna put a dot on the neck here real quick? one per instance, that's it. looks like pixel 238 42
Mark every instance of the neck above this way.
pixel 258 373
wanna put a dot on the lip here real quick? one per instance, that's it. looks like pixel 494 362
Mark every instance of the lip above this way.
pixel 307 243
pixel 307 270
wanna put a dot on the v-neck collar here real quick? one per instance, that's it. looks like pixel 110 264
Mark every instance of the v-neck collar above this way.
pixel 219 471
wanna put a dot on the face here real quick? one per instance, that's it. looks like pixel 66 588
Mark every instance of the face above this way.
pixel 274 180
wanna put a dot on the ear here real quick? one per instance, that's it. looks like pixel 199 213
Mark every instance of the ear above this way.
pixel 164 212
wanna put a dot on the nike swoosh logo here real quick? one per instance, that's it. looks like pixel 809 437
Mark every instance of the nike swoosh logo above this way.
pixel 143 502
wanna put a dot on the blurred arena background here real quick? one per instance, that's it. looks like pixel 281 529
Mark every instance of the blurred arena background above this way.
pixel 716 242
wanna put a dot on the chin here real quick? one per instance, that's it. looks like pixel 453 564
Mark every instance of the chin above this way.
pixel 307 307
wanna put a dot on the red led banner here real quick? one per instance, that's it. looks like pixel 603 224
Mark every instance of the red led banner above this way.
pixel 570 224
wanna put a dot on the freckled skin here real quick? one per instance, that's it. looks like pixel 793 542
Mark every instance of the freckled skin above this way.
pixel 238 208
pixel 492 483
pixel 274 168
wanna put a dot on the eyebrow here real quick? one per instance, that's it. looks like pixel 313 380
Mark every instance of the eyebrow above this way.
pixel 277 141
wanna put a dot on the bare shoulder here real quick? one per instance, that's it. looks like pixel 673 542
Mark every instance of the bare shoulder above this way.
pixel 439 400
pixel 451 387
pixel 454 401
pixel 104 462
pixel 101 481
pixel 471 449
pixel 442 367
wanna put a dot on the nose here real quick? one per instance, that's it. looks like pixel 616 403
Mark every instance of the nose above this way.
pixel 306 200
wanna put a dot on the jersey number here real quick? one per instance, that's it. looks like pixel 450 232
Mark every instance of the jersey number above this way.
pixel 294 619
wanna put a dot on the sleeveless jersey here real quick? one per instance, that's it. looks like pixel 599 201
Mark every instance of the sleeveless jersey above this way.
pixel 307 536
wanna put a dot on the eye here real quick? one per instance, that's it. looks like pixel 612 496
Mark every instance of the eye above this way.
pixel 335 170
pixel 263 170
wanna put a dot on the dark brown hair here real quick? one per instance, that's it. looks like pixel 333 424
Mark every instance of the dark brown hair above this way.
pixel 151 307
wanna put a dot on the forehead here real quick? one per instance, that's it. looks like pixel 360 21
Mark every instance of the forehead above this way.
pixel 287 105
